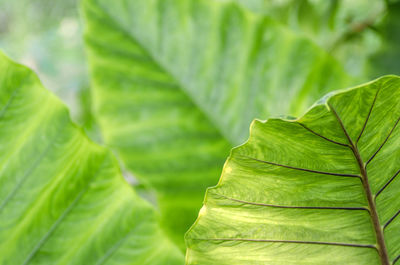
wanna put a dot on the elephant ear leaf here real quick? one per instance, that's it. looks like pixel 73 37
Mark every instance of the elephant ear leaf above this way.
pixel 63 199
pixel 320 189
pixel 175 85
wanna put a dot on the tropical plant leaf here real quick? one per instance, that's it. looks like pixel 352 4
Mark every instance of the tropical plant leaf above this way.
pixel 347 29
pixel 321 189
pixel 63 199
pixel 176 83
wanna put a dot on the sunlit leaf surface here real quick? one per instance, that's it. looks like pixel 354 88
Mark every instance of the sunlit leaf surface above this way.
pixel 321 189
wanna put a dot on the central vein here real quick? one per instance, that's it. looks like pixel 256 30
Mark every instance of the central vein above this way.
pixel 383 254
pixel 371 204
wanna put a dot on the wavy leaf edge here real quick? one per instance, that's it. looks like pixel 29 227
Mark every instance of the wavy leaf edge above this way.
pixel 380 247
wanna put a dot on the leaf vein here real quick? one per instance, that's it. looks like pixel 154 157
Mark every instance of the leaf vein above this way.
pixel 290 241
pixel 383 254
pixel 200 107
pixel 30 170
pixel 293 207
pixel 387 183
pixel 396 259
pixel 323 137
pixel 391 219
pixel 384 142
pixel 368 116
pixel 304 169
pixel 7 105
pixel 62 217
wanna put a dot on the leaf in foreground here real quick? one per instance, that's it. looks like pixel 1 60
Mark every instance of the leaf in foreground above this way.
pixel 177 83
pixel 320 189
pixel 63 199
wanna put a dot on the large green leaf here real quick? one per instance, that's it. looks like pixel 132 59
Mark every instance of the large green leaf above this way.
pixel 176 83
pixel 63 199
pixel 321 189
pixel 347 29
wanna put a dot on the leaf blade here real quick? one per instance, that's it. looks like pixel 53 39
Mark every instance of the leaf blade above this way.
pixel 63 199
pixel 189 76
pixel 275 206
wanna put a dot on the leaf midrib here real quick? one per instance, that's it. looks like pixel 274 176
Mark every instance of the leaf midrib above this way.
pixel 63 215
pixel 161 65
pixel 381 248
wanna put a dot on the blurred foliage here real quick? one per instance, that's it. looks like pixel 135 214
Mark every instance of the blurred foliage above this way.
pixel 46 36
pixel 344 28
pixel 387 59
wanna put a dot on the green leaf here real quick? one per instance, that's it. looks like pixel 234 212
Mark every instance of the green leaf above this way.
pixel 176 84
pixel 344 28
pixel 321 189
pixel 63 199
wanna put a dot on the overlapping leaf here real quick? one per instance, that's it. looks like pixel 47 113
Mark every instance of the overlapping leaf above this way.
pixel 347 29
pixel 62 198
pixel 176 83
pixel 321 189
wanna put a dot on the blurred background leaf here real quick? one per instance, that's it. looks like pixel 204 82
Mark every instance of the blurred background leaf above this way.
pixel 344 28
pixel 47 36
pixel 387 59
pixel 176 84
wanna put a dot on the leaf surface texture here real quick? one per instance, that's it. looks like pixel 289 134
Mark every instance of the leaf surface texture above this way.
pixel 63 199
pixel 319 189
pixel 176 84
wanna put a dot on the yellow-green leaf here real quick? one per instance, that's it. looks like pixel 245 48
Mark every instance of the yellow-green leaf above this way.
pixel 321 189
pixel 176 84
pixel 63 199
